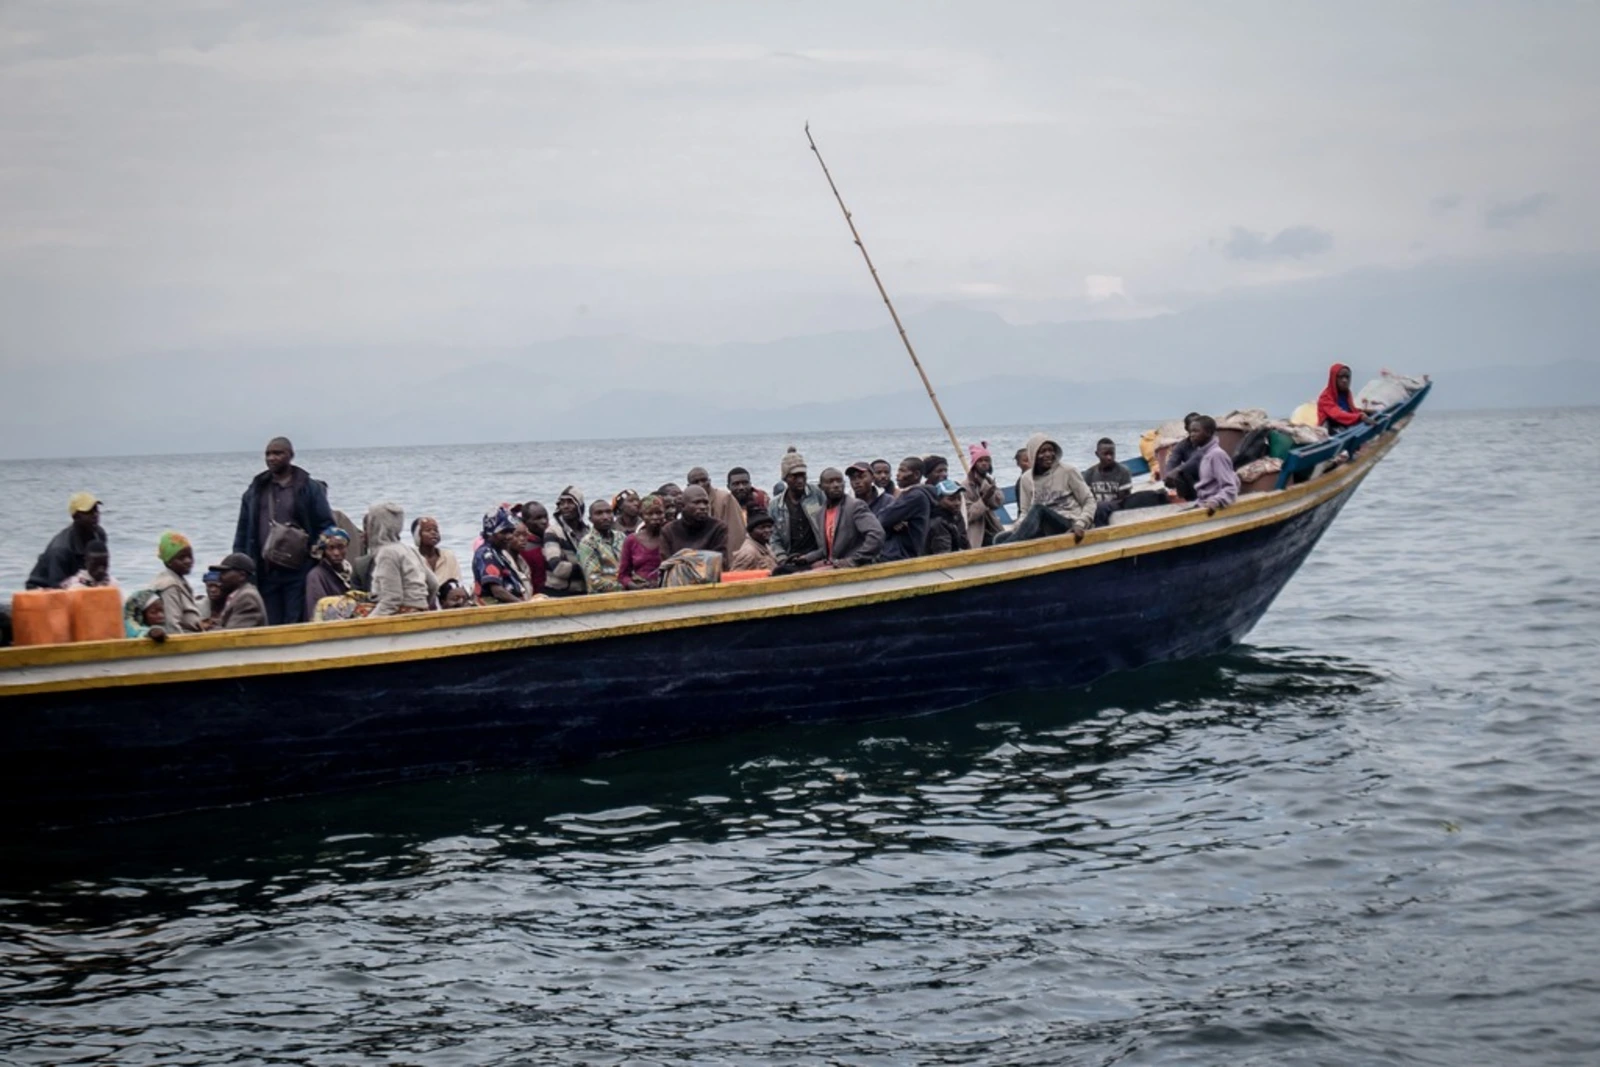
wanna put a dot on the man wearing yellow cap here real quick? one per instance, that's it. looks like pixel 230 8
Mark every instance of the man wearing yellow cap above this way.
pixel 64 555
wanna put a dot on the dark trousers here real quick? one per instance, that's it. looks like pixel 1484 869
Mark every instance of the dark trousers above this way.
pixel 1145 498
pixel 1040 521
pixel 285 595
pixel 1183 483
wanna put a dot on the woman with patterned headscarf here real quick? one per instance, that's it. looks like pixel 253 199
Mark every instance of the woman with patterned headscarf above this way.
pixel 332 575
pixel 627 509
pixel 178 601
pixel 495 580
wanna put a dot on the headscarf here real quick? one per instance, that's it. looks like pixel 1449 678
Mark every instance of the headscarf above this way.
pixel 332 533
pixel 497 521
pixel 977 452
pixel 616 501
pixel 171 543
pixel 211 577
pixel 416 526
pixel 137 604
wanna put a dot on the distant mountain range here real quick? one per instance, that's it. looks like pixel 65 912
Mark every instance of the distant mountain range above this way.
pixel 1494 335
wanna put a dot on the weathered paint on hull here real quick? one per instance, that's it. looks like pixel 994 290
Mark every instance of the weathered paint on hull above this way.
pixel 139 751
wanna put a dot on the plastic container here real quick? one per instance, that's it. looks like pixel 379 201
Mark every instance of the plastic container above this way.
pixel 1281 445
pixel 41 617
pixel 96 614
pixel 744 576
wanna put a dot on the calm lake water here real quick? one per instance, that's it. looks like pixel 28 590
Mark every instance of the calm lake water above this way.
pixel 1366 836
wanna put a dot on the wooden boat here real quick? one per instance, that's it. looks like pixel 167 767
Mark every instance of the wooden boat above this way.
pixel 121 729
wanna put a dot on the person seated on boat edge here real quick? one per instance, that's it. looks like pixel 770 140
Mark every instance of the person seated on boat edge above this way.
pixel 96 572
pixel 671 499
pixel 172 585
pixel 332 575
pixel 935 469
pixel 851 535
pixel 144 615
pixel 796 513
pixel 627 507
pixel 536 518
pixel 563 574
pixel 754 554
pixel 905 519
pixel 883 476
pixel 1336 406
pixel 216 596
pixel 1218 485
pixel 695 528
pixel 426 536
pixel 1051 498
pixel 600 551
pixel 1112 485
pixel 751 499
pixel 280 512
pixel 640 564
pixel 724 508
pixel 947 525
pixel 495 580
pixel 981 496
pixel 1181 467
pixel 864 484
pixel 63 556
pixel 517 551
pixel 402 582
pixel 452 595
pixel 244 609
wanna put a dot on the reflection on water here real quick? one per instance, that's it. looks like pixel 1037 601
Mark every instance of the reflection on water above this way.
pixel 1365 838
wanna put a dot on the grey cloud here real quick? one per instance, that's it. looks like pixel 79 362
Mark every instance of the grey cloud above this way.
pixel 1445 202
pixel 1504 214
pixel 1296 242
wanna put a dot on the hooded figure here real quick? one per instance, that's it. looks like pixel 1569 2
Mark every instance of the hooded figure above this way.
pixel 1336 407
pixel 563 574
pixel 402 582
pixel 1051 501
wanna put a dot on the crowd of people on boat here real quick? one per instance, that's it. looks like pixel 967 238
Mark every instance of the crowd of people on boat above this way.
pixel 295 558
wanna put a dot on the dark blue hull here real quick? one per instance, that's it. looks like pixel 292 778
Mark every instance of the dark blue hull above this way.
pixel 144 750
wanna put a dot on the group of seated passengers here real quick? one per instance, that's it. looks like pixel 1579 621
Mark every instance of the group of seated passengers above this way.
pixel 631 541
pixel 866 513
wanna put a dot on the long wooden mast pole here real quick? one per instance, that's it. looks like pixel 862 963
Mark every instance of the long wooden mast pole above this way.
pixel 850 221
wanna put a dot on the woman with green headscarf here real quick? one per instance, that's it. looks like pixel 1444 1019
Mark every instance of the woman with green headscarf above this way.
pixel 172 585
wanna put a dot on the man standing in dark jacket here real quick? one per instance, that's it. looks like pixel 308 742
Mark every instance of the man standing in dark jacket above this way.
pixel 287 495
pixel 64 555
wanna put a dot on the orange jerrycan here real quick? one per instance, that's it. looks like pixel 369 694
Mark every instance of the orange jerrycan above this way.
pixel 96 614
pixel 41 617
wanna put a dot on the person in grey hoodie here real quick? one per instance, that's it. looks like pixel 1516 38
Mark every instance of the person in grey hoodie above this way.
pixel 1052 497
pixel 402 581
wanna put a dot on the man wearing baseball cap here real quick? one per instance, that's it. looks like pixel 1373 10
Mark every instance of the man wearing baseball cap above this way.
pixel 64 555
pixel 243 609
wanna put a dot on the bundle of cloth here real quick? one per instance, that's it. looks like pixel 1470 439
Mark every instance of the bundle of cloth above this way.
pixel 1388 389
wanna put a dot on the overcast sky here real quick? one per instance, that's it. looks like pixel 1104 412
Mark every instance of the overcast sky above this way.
pixel 179 174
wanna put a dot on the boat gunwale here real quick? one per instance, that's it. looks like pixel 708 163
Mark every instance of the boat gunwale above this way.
pixel 1309 494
